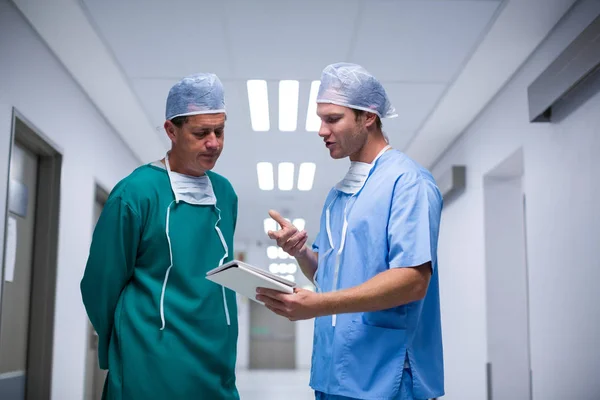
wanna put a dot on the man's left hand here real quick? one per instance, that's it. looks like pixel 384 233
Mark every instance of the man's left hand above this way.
pixel 302 304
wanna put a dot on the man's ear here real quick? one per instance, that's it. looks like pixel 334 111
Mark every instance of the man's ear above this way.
pixel 370 119
pixel 171 130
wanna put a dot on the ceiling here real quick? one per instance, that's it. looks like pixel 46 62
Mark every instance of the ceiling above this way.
pixel 440 61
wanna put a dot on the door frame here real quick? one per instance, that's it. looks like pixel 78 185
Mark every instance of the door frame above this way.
pixel 506 181
pixel 40 342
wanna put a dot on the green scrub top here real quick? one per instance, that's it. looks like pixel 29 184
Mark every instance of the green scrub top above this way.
pixel 193 357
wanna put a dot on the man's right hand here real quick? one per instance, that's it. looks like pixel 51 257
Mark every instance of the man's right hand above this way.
pixel 289 238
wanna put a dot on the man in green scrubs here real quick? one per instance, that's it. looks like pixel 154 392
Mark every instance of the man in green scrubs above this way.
pixel 166 332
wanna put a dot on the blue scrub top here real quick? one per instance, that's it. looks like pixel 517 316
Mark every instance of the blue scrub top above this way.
pixel 393 222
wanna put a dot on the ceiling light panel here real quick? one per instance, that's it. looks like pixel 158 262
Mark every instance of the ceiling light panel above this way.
pixel 258 100
pixel 264 171
pixel 285 176
pixel 313 122
pixel 306 176
pixel 288 105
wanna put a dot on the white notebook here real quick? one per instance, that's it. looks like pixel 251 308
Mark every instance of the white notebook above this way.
pixel 243 278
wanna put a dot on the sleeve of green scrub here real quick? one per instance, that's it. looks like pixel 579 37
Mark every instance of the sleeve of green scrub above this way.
pixel 109 267
pixel 409 224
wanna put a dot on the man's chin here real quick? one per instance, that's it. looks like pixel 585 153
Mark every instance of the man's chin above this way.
pixel 207 165
pixel 336 155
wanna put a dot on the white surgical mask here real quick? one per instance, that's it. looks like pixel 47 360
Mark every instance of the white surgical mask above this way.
pixel 355 177
pixel 352 183
pixel 196 191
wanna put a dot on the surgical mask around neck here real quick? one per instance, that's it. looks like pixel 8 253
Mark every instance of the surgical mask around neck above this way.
pixel 355 177
pixel 196 190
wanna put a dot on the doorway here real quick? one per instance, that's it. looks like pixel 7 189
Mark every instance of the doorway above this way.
pixel 29 264
pixel 507 282
pixel 94 376
pixel 272 339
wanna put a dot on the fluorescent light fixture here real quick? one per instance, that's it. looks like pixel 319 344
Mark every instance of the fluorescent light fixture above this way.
pixel 270 225
pixel 272 252
pixel 258 99
pixel 290 278
pixel 292 268
pixel 288 105
pixel 274 268
pixel 299 223
pixel 313 122
pixel 282 254
pixel 286 176
pixel 265 175
pixel 306 176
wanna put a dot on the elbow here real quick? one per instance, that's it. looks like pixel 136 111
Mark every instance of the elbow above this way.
pixel 419 291
pixel 421 283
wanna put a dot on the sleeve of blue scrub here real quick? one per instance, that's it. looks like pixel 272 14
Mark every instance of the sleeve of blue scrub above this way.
pixel 315 245
pixel 109 267
pixel 409 224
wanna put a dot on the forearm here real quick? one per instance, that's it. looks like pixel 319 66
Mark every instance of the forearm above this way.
pixel 388 289
pixel 308 261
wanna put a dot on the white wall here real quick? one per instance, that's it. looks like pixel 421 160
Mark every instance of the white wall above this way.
pixel 561 183
pixel 35 83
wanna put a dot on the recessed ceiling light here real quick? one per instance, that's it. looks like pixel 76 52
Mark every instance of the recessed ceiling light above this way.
pixel 288 105
pixel 313 122
pixel 265 175
pixel 291 268
pixel 299 223
pixel 270 225
pixel 285 176
pixel 258 100
pixel 272 252
pixel 306 176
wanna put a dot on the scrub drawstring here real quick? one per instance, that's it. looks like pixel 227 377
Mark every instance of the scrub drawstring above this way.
pixel 164 287
pixel 162 294
pixel 224 243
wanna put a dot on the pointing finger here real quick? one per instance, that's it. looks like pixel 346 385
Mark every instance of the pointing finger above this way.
pixel 279 219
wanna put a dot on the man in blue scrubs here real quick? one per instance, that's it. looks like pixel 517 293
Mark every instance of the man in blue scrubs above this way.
pixel 374 261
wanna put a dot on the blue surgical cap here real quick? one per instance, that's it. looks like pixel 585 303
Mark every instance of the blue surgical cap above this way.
pixel 196 94
pixel 350 85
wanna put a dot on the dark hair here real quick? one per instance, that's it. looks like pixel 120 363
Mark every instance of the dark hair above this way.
pixel 179 121
pixel 358 113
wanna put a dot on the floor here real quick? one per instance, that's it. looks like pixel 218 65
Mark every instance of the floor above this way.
pixel 274 385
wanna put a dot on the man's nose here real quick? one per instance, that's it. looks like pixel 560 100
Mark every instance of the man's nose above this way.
pixel 211 141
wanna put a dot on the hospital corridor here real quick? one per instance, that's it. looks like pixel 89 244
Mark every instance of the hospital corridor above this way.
pixel 299 199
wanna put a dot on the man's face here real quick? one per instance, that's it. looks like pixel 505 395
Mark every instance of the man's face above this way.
pixel 343 133
pixel 198 142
